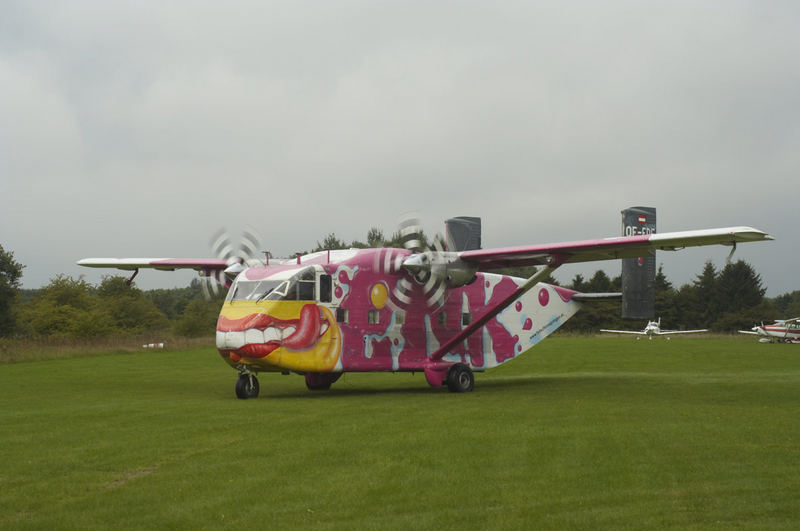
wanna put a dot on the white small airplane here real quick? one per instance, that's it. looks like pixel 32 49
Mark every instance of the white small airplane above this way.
pixel 653 328
pixel 782 331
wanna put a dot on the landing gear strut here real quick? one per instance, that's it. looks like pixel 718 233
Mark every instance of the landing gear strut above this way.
pixel 246 386
pixel 460 379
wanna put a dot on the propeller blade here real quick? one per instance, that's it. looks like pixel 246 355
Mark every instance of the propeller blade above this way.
pixel 221 245
pixel 411 233
pixel 424 266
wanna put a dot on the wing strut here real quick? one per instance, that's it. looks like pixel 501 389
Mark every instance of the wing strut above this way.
pixel 502 305
pixel 130 280
pixel 730 255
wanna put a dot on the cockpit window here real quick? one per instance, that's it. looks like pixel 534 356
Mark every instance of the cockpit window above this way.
pixel 299 287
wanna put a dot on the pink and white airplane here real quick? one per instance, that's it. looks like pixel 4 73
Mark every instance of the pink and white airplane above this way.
pixel 782 331
pixel 437 311
pixel 653 328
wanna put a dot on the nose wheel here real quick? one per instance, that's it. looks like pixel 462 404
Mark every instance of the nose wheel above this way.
pixel 247 386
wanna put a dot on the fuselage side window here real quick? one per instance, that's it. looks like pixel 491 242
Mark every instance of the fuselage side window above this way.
pixel 305 290
pixel 373 317
pixel 325 288
pixel 306 285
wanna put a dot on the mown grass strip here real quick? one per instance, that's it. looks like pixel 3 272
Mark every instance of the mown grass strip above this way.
pixel 579 432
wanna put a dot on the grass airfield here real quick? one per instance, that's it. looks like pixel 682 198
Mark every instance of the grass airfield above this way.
pixel 581 432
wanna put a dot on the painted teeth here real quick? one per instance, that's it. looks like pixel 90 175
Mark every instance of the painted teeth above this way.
pixel 254 335
pixel 272 334
pixel 235 340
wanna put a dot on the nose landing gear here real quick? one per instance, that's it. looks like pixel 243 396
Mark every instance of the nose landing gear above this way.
pixel 247 386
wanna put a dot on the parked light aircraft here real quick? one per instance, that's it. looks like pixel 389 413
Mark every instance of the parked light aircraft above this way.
pixel 653 328
pixel 435 310
pixel 782 331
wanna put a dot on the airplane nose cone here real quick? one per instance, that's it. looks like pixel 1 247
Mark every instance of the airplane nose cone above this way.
pixel 415 263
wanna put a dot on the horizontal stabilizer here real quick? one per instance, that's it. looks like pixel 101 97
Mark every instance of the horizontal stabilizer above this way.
pixel 588 297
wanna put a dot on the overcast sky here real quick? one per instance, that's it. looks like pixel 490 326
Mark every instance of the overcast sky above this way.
pixel 132 128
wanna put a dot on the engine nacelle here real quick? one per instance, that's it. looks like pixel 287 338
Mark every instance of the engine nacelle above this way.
pixel 444 265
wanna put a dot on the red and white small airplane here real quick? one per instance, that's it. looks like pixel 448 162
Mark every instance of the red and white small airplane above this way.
pixel 653 328
pixel 435 310
pixel 782 331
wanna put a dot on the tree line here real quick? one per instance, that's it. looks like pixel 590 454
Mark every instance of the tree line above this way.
pixel 722 300
pixel 72 308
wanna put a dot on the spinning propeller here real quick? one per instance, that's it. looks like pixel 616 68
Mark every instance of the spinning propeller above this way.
pixel 431 268
pixel 238 259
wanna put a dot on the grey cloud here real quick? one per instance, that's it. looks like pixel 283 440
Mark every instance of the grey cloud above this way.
pixel 138 129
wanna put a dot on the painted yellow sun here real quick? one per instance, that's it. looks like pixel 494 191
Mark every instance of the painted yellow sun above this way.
pixel 379 294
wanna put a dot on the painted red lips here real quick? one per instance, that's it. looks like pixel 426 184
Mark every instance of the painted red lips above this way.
pixel 307 331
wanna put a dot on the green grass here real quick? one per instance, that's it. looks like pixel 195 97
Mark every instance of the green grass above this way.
pixel 590 432
pixel 49 348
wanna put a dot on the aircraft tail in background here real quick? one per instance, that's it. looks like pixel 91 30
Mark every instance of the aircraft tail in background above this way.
pixel 638 274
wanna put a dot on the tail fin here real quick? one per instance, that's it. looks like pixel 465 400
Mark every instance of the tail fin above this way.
pixel 463 233
pixel 638 274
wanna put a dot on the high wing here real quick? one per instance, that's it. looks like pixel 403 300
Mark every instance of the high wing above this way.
pixel 635 332
pixel 608 248
pixel 215 268
pixel 668 332
pixel 205 265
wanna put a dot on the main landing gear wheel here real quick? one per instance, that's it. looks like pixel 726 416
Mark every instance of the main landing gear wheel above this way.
pixel 321 381
pixel 247 386
pixel 460 379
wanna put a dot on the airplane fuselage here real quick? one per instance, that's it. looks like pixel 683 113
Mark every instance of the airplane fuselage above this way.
pixel 782 331
pixel 357 310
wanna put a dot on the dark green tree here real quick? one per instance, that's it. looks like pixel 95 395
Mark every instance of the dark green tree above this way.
pixel 599 283
pixel 199 318
pixel 595 314
pixel 65 308
pixel 172 302
pixel 788 305
pixel 665 296
pixel 740 286
pixel 578 283
pixel 10 281
pixel 741 297
pixel 706 297
pixel 375 237
pixel 331 242
pixel 130 310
